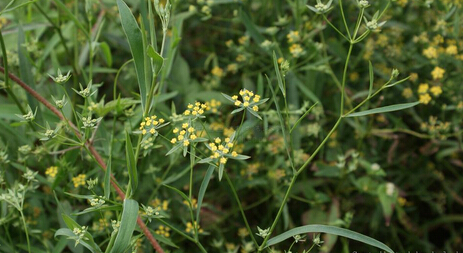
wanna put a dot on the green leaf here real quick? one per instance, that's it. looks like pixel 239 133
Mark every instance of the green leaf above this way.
pixel 131 163
pixel 251 27
pixel 107 180
pixel 90 245
pixel 134 36
pixel 106 53
pixel 329 230
pixel 202 189
pixel 157 59
pixel 88 238
pixel 278 74
pixel 389 108
pixel 185 197
pixel 128 223
pixel 282 124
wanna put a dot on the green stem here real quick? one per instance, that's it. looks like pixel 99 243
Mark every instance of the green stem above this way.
pixel 344 19
pixel 334 27
pixel 344 76
pixel 240 207
pixel 25 229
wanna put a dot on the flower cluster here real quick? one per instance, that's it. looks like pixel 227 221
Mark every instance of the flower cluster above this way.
pixel 80 234
pixel 190 228
pixel 51 171
pixel 196 110
pixel 250 102
pixel 151 125
pixel 60 78
pixel 97 202
pixel 321 8
pixel 221 152
pixel 162 230
pixel 79 180
pixel 185 136
pixel 88 122
pixel 424 96
pixel 213 105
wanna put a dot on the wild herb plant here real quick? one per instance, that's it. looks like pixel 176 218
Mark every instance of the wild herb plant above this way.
pixel 125 159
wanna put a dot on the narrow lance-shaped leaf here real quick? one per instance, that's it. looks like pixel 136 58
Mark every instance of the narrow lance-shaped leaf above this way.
pixel 131 163
pixel 135 38
pixel 107 179
pixel 282 124
pixel 384 109
pixel 157 59
pixel 329 230
pixel 128 223
pixel 202 189
pixel 278 74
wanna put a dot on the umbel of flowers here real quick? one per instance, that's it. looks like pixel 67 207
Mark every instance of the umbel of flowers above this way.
pixel 186 135
pixel 221 152
pixel 250 102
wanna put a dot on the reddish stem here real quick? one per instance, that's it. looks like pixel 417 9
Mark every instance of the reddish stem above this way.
pixel 92 150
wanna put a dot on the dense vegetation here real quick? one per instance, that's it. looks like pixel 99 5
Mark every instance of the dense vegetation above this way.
pixel 231 126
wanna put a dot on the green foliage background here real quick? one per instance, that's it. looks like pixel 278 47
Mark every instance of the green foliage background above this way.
pixel 393 176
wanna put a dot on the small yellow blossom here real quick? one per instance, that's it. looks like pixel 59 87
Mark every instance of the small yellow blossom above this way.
pixel 162 230
pixel 229 43
pixel 451 50
pixel 79 180
pixel 425 98
pixel 436 90
pixel 51 171
pixel 430 53
pixel 243 232
pixel 217 71
pixel 413 77
pixel 190 228
pixel 213 105
pixel 293 36
pixel 438 73
pixel 151 124
pixel 232 68
pixel 423 88
pixel 241 58
pixel 354 76
pixel 296 50
pixel 407 93
pixel 243 40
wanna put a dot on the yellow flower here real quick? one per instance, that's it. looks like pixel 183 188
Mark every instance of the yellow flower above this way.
pixel 451 50
pixel 293 36
pixel 413 77
pixel 438 73
pixel 229 43
pixel 79 180
pixel 51 171
pixel 407 93
pixel 243 232
pixel 216 71
pixel 243 40
pixel 430 52
pixel 162 230
pixel 233 68
pixel 425 98
pixel 240 58
pixel 354 76
pixel 436 90
pixel 423 88
pixel 296 50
